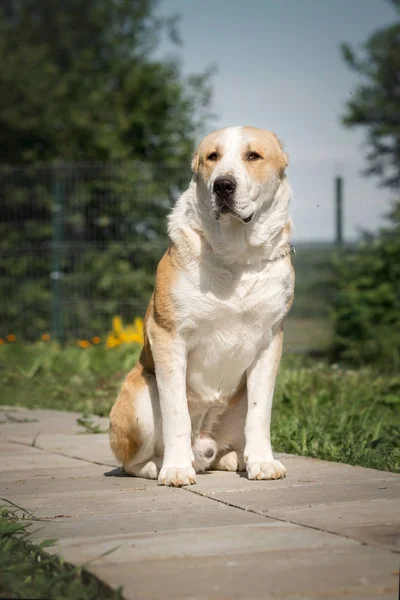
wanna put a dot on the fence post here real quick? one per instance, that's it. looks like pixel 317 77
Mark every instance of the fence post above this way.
pixel 339 210
pixel 56 258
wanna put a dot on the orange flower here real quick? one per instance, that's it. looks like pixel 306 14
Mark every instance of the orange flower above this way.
pixel 11 337
pixel 83 344
pixel 1 341
pixel 96 339
pixel 45 337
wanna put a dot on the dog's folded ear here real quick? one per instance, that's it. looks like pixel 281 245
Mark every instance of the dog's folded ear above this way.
pixel 195 161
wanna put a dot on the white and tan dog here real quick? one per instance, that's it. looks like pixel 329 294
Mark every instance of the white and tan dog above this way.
pixel 201 393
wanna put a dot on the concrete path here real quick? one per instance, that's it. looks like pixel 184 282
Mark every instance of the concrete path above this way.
pixel 327 531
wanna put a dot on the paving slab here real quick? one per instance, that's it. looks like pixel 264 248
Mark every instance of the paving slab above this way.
pixel 26 423
pixel 360 503
pixel 327 531
pixel 372 521
pixel 301 472
pixel 28 458
pixel 299 574
pixel 156 508
pixel 87 446
pixel 45 474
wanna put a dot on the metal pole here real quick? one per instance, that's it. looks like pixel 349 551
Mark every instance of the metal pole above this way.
pixel 56 259
pixel 339 210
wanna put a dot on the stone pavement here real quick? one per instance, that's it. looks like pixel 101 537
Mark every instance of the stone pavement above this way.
pixel 327 531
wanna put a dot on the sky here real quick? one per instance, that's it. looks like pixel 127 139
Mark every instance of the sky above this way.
pixel 279 68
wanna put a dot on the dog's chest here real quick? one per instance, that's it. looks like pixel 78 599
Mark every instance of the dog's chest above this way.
pixel 226 328
pixel 205 300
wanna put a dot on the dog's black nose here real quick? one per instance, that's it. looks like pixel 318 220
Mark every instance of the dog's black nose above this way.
pixel 225 186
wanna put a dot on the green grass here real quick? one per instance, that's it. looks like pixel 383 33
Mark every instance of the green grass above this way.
pixel 326 412
pixel 28 571
pixel 42 375
pixel 338 414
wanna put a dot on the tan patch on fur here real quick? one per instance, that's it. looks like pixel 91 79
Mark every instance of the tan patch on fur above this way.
pixel 164 310
pixel 146 356
pixel 268 146
pixel 124 432
pixel 160 314
pixel 162 349
pixel 287 231
pixel 159 323
pixel 264 142
pixel 208 145
pixel 239 392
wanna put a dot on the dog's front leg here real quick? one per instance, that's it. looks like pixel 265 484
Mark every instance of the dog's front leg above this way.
pixel 170 365
pixel 260 463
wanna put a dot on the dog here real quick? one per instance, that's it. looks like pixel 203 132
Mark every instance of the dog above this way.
pixel 200 396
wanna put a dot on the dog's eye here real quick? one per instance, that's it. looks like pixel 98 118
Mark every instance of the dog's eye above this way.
pixel 213 156
pixel 253 156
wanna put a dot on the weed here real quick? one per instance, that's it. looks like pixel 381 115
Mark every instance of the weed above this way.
pixel 28 571
pixel 89 425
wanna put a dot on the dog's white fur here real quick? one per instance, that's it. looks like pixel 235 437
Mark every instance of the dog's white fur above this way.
pixel 202 391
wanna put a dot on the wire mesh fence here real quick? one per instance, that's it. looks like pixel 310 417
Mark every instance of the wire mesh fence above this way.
pixel 79 244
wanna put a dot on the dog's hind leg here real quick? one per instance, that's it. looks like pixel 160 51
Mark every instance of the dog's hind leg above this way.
pixel 229 460
pixel 229 436
pixel 135 425
pixel 148 469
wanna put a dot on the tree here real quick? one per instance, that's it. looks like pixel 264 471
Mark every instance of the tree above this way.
pixel 366 314
pixel 97 124
pixel 366 308
pixel 375 104
pixel 78 82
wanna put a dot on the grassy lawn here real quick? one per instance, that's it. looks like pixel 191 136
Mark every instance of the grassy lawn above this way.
pixel 319 410
pixel 27 571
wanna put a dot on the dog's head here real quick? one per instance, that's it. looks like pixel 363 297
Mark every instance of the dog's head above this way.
pixel 238 171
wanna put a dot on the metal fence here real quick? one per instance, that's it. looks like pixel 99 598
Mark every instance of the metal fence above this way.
pixel 80 243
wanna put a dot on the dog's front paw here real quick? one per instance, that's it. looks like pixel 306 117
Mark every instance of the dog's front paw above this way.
pixel 177 476
pixel 273 469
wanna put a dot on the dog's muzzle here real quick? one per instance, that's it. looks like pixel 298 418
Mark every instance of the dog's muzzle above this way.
pixel 224 189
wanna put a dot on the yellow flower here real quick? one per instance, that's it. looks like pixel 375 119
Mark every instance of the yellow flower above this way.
pixel 45 337
pixel 125 335
pixel 83 344
pixel 117 325
pixel 11 337
pixel 129 334
pixel 96 339
pixel 112 341
pixel 138 324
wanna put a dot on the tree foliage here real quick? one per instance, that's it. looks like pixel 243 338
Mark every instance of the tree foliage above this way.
pixel 367 304
pixel 366 309
pixel 79 82
pixel 375 103
pixel 101 127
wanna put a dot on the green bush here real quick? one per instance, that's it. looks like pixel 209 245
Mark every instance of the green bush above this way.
pixel 106 241
pixel 366 306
